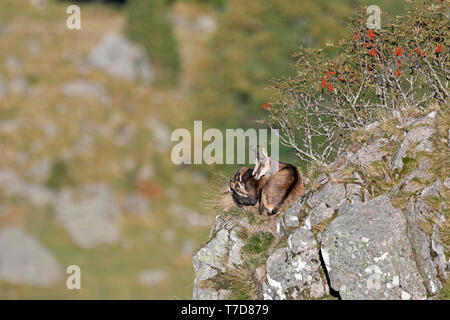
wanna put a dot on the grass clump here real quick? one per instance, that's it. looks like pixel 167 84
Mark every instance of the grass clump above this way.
pixel 258 243
pixel 445 292
pixel 240 280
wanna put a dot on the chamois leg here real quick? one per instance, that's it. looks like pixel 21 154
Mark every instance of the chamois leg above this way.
pixel 262 209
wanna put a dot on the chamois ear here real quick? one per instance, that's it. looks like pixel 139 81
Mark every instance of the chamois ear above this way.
pixel 264 170
pixel 257 162
pixel 264 153
pixel 231 185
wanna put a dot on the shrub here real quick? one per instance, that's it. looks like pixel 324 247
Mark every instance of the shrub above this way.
pixel 403 65
pixel 148 24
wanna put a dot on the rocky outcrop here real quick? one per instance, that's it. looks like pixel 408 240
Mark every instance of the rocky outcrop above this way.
pixel 222 252
pixel 368 255
pixel 295 271
pixel 415 137
pixel 356 235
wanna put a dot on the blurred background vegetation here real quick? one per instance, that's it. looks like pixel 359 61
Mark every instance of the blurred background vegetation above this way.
pixel 213 61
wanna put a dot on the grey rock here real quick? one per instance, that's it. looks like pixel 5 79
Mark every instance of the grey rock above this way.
pixel 427 120
pixel 414 136
pixel 235 248
pixel 357 177
pixel 210 258
pixel 369 153
pixel 210 294
pixel 38 194
pixel 295 272
pixel 10 182
pixel 368 255
pixel 420 243
pixel 372 126
pixel 408 184
pixel 353 192
pixel 438 249
pixel 14 185
pixel 121 58
pixel 85 88
pixel 397 116
pixel 322 179
pixel 424 146
pixel 320 213
pixel 23 260
pixel 432 190
pixel 290 217
pixel 332 195
pixel 91 220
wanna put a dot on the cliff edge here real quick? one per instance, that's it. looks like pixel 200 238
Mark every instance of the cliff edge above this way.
pixel 372 225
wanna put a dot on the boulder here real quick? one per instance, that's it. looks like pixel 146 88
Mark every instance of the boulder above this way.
pixel 295 272
pixel 421 243
pixel 427 120
pixel 14 185
pixel 236 245
pixel 413 137
pixel 369 153
pixel 368 255
pixel 209 259
pixel 320 213
pixel 290 217
pixel 119 57
pixel 332 195
pixel 90 220
pixel 210 294
pixel 23 260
